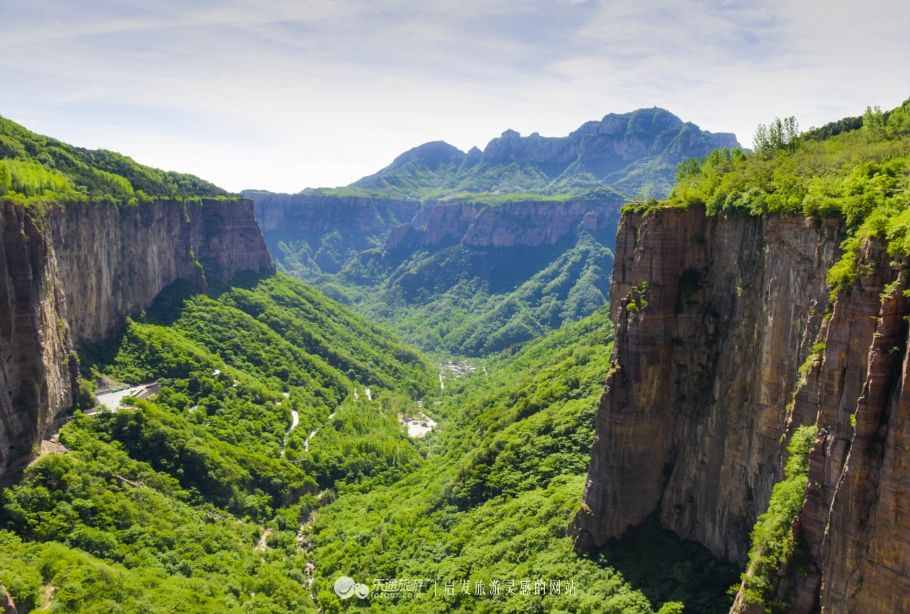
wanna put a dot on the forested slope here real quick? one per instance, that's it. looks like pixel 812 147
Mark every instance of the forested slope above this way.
pixel 193 500
pixel 484 522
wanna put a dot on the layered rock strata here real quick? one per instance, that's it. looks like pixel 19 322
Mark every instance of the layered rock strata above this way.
pixel 726 341
pixel 73 274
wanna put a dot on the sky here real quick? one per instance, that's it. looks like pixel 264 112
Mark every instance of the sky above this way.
pixel 288 94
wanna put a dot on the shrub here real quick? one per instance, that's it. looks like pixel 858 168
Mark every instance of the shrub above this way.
pixel 773 536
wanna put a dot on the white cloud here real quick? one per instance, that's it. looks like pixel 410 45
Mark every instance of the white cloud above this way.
pixel 319 93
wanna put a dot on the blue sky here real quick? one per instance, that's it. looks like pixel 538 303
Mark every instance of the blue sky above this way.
pixel 288 94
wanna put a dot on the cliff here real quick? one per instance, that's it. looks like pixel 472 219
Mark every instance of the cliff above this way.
pixel 714 317
pixel 461 276
pixel 313 233
pixel 514 224
pixel 72 275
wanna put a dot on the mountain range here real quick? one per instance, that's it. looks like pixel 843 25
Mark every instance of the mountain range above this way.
pixel 184 429
pixel 477 252
pixel 630 153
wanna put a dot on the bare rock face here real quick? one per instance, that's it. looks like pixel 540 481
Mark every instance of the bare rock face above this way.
pixel 73 275
pixel 714 317
pixel 855 523
pixel 361 216
pixel 532 223
pixel 338 228
pixel 335 229
pixel 6 602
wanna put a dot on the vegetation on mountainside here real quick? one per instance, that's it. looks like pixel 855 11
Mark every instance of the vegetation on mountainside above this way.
pixel 630 153
pixel 39 169
pixel 861 175
pixel 484 522
pixel 193 501
pixel 97 530
pixel 464 301
pixel 202 500
pixel 467 196
pixel 773 536
pixel 473 317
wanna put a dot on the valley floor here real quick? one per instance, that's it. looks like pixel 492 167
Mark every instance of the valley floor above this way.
pixel 290 443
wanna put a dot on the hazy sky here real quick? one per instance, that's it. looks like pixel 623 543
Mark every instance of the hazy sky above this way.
pixel 288 94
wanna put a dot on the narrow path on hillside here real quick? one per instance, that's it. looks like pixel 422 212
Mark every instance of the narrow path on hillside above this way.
pixel 367 393
pixel 263 543
pixel 295 422
pixel 306 442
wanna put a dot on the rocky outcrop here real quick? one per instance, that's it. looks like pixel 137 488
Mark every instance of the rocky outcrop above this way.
pixel 72 274
pixel 320 234
pixel 6 602
pixel 855 524
pixel 531 223
pixel 714 318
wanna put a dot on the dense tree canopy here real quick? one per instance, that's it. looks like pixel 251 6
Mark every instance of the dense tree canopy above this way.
pixel 36 168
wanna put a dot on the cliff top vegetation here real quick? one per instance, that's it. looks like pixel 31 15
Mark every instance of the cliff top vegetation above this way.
pixel 40 169
pixel 857 169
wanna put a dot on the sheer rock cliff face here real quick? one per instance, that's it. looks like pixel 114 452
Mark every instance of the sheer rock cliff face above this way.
pixel 74 274
pixel 312 235
pixel 714 317
pixel 531 224
pixel 855 524
pixel 402 226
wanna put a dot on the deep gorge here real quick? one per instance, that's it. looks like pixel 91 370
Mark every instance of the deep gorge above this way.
pixel 72 275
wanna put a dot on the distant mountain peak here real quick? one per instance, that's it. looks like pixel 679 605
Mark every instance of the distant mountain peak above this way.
pixel 431 154
pixel 626 152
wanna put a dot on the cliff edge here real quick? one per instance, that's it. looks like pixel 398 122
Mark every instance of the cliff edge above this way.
pixel 73 274
pixel 728 338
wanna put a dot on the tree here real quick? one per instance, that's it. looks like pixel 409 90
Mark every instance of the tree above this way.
pixel 874 123
pixel 6 179
pixel 687 168
pixel 779 134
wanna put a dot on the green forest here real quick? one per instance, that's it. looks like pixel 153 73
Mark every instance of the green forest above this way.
pixel 162 506
pixel 204 498
pixel 39 169
pixel 857 171
pixel 459 301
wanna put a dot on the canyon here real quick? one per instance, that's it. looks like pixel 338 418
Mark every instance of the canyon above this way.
pixel 481 251
pixel 71 275
pixel 441 263
pixel 751 329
